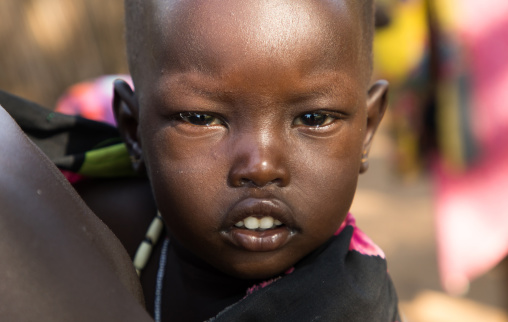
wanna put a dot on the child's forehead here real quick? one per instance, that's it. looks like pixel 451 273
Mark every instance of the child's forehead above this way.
pixel 219 29
pixel 169 35
pixel 245 8
pixel 281 19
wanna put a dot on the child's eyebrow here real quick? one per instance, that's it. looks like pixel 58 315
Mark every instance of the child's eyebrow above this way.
pixel 295 97
pixel 193 84
pixel 323 86
pixel 321 90
pixel 312 94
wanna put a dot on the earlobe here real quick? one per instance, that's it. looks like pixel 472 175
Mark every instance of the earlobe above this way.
pixel 377 101
pixel 126 111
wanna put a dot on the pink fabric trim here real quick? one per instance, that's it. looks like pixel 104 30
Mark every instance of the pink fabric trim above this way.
pixel 262 285
pixel 360 242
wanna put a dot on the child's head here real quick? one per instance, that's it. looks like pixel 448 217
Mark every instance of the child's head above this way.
pixel 251 113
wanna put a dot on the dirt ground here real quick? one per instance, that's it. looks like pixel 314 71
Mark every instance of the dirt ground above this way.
pixel 398 216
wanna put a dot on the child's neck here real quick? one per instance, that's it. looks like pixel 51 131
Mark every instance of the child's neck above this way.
pixel 195 291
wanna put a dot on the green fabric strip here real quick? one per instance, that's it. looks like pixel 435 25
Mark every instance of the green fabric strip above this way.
pixel 108 162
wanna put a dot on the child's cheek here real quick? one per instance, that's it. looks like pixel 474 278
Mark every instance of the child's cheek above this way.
pixel 188 169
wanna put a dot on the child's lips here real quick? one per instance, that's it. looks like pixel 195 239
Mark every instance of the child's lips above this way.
pixel 259 225
pixel 260 241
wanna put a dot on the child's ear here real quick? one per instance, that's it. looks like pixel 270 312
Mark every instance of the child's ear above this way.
pixel 126 110
pixel 377 101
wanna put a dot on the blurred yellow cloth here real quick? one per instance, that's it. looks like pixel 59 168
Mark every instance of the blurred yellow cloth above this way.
pixel 400 47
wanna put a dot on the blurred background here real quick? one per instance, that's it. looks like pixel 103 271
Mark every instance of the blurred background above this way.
pixel 48 45
pixel 436 195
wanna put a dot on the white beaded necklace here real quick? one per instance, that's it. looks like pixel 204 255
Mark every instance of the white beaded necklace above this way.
pixel 143 254
pixel 146 247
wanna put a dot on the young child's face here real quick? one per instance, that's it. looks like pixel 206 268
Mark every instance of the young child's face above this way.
pixel 254 113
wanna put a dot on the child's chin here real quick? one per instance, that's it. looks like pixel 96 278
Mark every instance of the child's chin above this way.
pixel 256 271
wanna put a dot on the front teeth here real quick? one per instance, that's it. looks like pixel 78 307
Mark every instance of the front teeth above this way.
pixel 266 222
pixel 255 223
pixel 251 223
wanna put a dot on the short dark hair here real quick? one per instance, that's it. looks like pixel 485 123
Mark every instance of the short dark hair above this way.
pixel 137 22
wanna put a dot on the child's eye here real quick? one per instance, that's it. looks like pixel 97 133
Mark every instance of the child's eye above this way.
pixel 314 119
pixel 200 119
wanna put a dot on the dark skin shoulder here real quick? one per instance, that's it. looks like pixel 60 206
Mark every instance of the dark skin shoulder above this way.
pixel 58 261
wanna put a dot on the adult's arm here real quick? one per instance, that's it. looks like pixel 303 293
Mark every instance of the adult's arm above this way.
pixel 58 261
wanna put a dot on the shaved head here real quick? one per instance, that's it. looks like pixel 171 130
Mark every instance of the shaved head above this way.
pixel 262 25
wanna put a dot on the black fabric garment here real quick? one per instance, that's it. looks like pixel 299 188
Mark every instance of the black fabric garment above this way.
pixel 63 138
pixel 334 285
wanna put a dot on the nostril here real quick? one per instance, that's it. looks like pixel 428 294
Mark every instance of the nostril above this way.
pixel 249 182
pixel 277 181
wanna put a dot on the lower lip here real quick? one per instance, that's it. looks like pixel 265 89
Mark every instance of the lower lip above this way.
pixel 259 241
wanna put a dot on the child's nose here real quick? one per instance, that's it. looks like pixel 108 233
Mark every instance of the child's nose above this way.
pixel 258 162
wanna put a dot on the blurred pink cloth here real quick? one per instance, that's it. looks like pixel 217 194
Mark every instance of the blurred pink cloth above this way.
pixel 91 99
pixel 472 207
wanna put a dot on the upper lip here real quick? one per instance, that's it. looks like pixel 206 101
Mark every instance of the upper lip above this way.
pixel 259 207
